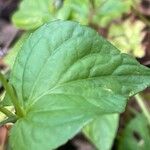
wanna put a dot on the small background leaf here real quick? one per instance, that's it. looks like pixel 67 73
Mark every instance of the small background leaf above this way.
pixel 108 10
pixel 102 131
pixel 136 135
pixel 32 14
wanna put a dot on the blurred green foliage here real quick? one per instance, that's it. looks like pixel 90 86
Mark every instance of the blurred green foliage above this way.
pixel 34 13
pixel 136 136
pixel 127 36
pixel 31 14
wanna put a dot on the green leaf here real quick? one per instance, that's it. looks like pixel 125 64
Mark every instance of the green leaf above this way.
pixel 32 14
pixel 136 135
pixel 103 13
pixel 108 10
pixel 79 10
pixel 101 131
pixel 65 75
pixel 73 10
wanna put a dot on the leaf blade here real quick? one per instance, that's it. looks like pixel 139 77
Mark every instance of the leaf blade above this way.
pixel 64 65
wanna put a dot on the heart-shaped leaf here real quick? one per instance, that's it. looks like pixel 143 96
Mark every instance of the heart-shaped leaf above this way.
pixel 65 75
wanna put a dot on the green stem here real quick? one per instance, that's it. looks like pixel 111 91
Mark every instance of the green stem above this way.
pixel 6 112
pixel 9 89
pixel 9 120
pixel 143 107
